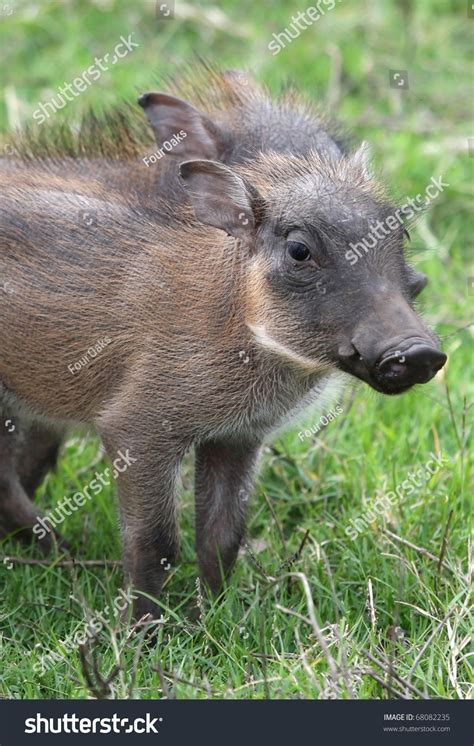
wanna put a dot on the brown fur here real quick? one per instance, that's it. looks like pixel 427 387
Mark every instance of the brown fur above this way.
pixel 215 340
pixel 179 376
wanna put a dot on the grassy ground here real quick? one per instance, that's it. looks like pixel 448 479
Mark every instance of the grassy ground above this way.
pixel 397 593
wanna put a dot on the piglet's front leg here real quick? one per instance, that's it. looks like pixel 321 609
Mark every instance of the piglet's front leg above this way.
pixel 224 480
pixel 147 499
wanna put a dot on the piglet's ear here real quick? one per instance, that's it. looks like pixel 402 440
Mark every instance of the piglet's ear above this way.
pixel 170 116
pixel 222 198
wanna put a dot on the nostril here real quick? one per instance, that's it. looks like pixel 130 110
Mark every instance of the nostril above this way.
pixel 393 368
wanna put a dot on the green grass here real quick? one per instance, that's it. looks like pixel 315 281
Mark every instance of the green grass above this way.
pixel 251 643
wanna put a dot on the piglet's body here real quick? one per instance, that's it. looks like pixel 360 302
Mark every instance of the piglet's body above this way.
pixel 225 318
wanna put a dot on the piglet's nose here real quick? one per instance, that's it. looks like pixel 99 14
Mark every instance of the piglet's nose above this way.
pixel 418 364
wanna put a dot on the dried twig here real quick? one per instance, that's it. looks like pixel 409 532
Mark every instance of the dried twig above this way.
pixel 370 604
pixel 296 555
pixel 383 683
pixel 406 543
pixel 98 686
pixel 270 657
pixel 385 667
pixel 61 563
pixel 258 565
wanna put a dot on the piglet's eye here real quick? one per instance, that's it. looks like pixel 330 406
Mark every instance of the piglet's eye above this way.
pixel 298 251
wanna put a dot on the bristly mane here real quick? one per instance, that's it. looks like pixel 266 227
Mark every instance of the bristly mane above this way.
pixel 122 132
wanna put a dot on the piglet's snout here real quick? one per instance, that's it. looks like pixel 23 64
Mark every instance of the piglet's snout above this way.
pixel 391 347
pixel 417 364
